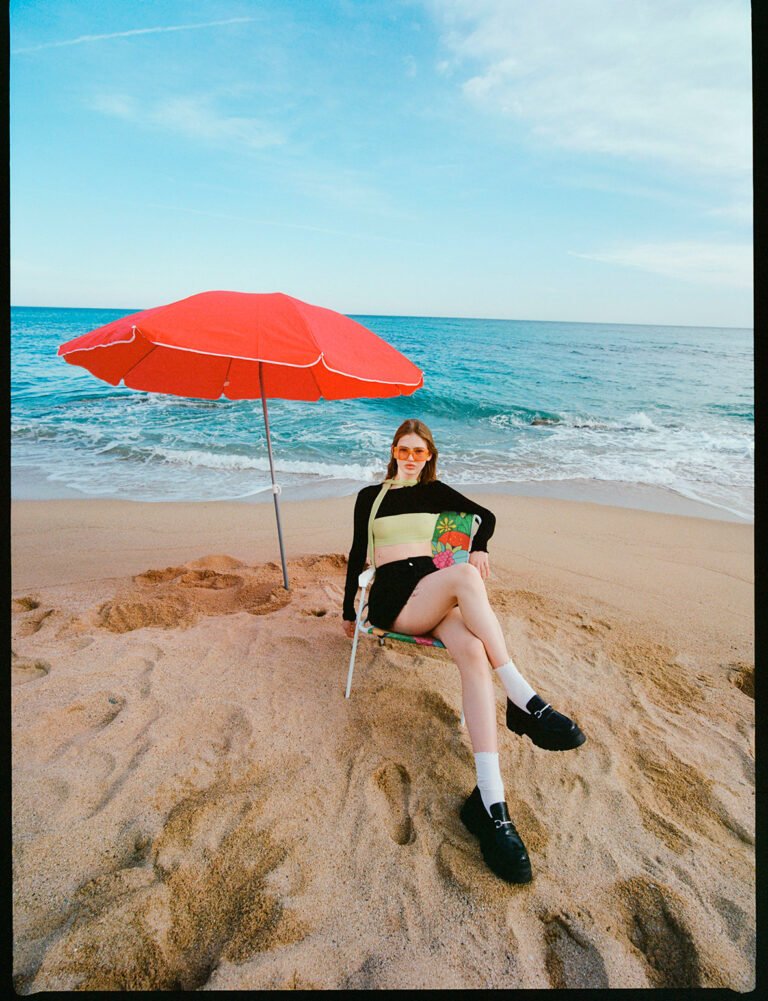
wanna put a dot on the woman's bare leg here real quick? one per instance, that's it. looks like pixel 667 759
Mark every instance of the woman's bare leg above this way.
pixel 436 594
pixel 476 683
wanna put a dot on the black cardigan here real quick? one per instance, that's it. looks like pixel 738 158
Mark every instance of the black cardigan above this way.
pixel 434 497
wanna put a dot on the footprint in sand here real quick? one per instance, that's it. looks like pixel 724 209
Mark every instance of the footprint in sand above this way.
pixel 597 627
pixel 81 642
pixel 71 724
pixel 24 671
pixel 367 977
pixel 137 668
pixel 658 931
pixel 457 866
pixel 572 961
pixel 38 799
pixel 96 769
pixel 25 604
pixel 145 678
pixel 389 795
pixel 673 796
pixel 526 819
pixel 187 900
pixel 32 621
pixel 738 927
pixel 742 676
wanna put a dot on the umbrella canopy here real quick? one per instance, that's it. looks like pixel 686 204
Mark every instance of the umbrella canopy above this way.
pixel 245 345
pixel 213 344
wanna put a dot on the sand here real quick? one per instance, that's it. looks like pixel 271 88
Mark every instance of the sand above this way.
pixel 197 806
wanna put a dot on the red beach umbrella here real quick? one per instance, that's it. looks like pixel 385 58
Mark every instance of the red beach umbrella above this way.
pixel 245 345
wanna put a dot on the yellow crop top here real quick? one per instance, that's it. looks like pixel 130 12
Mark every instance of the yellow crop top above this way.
pixel 397 528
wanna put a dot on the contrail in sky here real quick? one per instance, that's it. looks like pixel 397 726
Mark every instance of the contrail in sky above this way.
pixel 134 31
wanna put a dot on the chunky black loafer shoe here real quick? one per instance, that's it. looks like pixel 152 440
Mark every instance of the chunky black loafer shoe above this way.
pixel 501 845
pixel 546 727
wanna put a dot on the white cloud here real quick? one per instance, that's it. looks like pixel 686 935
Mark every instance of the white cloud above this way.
pixel 345 187
pixel 727 265
pixel 118 105
pixel 193 117
pixel 366 235
pixel 662 80
pixel 133 31
pixel 739 211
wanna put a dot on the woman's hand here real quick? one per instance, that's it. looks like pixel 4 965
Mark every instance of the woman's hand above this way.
pixel 480 561
pixel 349 628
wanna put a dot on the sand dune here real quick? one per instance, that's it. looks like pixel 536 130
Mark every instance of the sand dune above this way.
pixel 196 805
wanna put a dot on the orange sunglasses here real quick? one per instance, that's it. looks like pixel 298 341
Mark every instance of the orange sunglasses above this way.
pixel 419 454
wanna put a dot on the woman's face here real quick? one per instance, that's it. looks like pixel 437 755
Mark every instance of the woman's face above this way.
pixel 409 467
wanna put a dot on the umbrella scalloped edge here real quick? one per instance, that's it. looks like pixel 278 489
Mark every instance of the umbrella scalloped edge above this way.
pixel 266 361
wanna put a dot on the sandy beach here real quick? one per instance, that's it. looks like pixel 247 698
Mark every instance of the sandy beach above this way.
pixel 197 806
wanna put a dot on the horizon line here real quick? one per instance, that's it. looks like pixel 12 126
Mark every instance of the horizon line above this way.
pixel 444 316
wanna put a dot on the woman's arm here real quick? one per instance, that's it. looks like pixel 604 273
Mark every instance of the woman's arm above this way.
pixel 451 500
pixel 357 554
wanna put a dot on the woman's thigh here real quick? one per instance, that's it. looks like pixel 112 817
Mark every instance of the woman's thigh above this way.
pixel 431 600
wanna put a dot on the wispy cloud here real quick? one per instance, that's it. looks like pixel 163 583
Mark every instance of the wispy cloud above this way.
pixel 81 39
pixel 739 211
pixel 727 265
pixel 367 235
pixel 345 187
pixel 659 81
pixel 194 117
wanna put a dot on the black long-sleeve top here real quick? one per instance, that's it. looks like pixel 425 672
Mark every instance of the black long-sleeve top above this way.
pixel 434 498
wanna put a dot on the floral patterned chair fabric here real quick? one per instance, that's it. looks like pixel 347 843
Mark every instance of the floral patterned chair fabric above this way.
pixel 451 543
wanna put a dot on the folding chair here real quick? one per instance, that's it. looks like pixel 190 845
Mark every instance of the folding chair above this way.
pixel 451 543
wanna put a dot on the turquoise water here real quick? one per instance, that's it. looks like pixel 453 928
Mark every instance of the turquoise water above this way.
pixel 509 403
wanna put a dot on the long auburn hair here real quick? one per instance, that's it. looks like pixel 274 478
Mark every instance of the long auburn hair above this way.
pixel 413 426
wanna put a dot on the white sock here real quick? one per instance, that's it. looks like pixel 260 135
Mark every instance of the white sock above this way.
pixel 489 779
pixel 515 685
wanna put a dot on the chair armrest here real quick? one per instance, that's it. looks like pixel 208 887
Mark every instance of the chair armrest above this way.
pixel 476 520
pixel 366 577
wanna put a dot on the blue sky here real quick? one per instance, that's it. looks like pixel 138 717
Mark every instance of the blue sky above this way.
pixel 560 160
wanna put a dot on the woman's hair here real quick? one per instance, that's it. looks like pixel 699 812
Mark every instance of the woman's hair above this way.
pixel 411 426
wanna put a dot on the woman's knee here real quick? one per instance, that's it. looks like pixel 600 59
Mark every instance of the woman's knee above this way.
pixel 472 653
pixel 463 645
pixel 466 577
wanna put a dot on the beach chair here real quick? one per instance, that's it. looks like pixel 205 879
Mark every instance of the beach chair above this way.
pixel 451 543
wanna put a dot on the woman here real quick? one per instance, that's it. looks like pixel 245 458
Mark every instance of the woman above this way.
pixel 396 521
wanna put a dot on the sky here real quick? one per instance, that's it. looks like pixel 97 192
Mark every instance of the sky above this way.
pixel 573 160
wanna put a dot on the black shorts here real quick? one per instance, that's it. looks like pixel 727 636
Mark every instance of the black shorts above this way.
pixel 392 587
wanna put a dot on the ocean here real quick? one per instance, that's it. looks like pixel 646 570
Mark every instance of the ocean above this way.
pixel 653 417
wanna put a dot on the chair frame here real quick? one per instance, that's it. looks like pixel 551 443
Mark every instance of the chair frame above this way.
pixel 364 582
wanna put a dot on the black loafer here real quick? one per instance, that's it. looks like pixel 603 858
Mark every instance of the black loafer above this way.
pixel 546 727
pixel 501 845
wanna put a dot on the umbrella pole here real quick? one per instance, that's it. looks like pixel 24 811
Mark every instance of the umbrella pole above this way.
pixel 275 486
